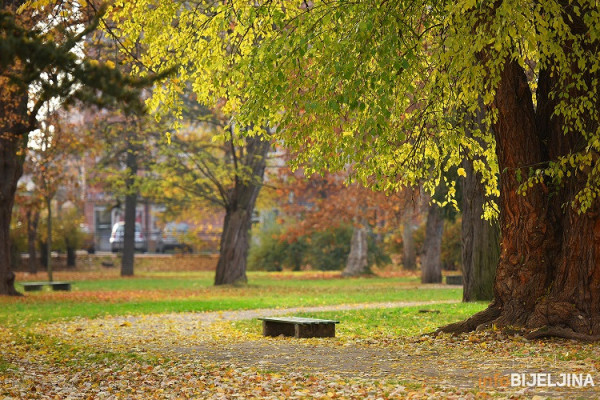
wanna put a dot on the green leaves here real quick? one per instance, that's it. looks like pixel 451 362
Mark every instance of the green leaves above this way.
pixel 403 77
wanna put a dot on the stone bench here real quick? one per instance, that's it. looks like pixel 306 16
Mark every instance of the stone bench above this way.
pixel 36 286
pixel 298 327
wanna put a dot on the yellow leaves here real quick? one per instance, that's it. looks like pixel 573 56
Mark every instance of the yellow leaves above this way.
pixel 261 368
pixel 273 77
pixel 34 4
pixel 466 5
pixel 461 172
pixel 497 45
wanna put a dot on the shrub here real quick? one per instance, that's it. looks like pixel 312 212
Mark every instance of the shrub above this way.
pixel 267 252
pixel 323 250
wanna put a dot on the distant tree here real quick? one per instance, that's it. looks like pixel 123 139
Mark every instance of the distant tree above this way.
pixel 193 170
pixel 68 228
pixel 54 147
pixel 438 210
pixel 431 263
pixel 326 201
pixel 409 199
pixel 126 147
pixel 39 64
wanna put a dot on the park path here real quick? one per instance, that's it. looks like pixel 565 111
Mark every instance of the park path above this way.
pixel 237 315
pixel 189 322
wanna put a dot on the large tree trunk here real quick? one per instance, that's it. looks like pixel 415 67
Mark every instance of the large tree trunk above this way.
pixel 128 256
pixel 431 266
pixel 409 253
pixel 13 141
pixel 33 218
pixel 357 259
pixel 548 275
pixel 231 267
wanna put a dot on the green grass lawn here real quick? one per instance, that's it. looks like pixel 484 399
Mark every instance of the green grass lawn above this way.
pixel 162 292
pixel 405 321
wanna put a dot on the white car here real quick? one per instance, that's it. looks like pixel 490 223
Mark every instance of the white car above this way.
pixel 117 234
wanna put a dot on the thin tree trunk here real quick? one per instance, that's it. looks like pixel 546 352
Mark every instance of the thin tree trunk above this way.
pixel 49 238
pixel 231 267
pixel 43 254
pixel 409 253
pixel 431 267
pixel 33 218
pixel 71 257
pixel 357 263
pixel 128 257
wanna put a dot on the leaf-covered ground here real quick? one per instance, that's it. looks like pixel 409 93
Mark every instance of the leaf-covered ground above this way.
pixel 211 356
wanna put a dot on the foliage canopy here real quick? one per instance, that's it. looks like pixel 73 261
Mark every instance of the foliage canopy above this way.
pixel 385 86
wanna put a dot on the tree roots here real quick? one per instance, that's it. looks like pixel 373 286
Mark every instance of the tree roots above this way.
pixel 561 332
pixel 479 321
pixel 493 316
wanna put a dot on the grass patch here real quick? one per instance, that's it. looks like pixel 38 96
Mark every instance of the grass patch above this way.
pixel 405 321
pixel 157 292
pixel 5 366
pixel 170 280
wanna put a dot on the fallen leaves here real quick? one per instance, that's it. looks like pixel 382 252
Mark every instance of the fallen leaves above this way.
pixel 203 355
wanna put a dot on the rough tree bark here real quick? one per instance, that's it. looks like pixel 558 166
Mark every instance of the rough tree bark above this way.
pixel 235 239
pixel 13 142
pixel 11 168
pixel 431 266
pixel 357 263
pixel 33 218
pixel 548 275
